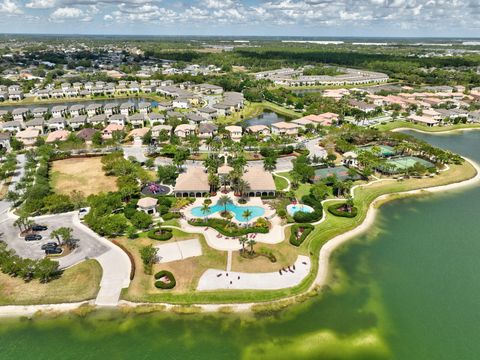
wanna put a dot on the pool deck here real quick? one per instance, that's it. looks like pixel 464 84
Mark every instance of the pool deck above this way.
pixel 253 201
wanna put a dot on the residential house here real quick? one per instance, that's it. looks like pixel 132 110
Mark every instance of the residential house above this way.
pixel 40 112
pixel 157 130
pixel 107 133
pixel 156 118
pixel 234 131
pixel 111 109
pixel 127 108
pixel 87 135
pixel 94 109
pixel 184 130
pixel 207 130
pixel 97 120
pixel 181 103
pixel 137 134
pixel 20 114
pixel 57 135
pixel 12 126
pixel 77 109
pixel 258 130
pixel 118 119
pixel 144 107
pixel 36 123
pixel 137 120
pixel 59 111
pixel 56 123
pixel 284 128
pixel 77 122
pixel 423 120
pixel 28 137
pixel 5 141
pixel 207 113
pixel 194 118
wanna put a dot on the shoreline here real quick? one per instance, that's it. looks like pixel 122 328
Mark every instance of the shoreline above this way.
pixel 449 131
pixel 320 280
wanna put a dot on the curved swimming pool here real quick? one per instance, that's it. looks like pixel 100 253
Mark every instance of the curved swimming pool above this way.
pixel 292 209
pixel 235 209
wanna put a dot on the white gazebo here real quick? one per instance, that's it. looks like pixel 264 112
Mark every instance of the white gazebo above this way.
pixel 147 205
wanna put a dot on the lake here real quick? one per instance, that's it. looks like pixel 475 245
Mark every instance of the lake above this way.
pixel 407 289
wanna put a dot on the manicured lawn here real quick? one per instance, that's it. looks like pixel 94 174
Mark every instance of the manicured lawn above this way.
pixel 81 174
pixel 77 283
pixel 280 183
pixel 187 272
pixel 303 189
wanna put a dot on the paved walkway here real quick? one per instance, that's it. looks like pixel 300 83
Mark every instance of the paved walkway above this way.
pixel 178 250
pixel 116 268
pixel 214 279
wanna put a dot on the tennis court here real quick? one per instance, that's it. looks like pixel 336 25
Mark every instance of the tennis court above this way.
pixel 405 162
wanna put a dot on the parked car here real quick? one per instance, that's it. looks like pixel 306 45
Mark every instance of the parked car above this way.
pixel 37 227
pixel 49 245
pixel 33 237
pixel 53 251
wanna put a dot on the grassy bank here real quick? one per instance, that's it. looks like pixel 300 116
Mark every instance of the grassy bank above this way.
pixel 431 129
pixel 254 109
pixel 78 283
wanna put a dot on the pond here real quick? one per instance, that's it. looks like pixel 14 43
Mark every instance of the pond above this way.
pixel 266 118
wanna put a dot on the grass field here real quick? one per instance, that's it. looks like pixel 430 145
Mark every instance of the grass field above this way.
pixel 81 174
pixel 280 183
pixel 78 283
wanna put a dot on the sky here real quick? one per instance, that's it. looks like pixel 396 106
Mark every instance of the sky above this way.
pixel 376 18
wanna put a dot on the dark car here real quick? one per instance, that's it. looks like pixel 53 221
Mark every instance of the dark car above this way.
pixel 53 251
pixel 49 245
pixel 33 237
pixel 37 227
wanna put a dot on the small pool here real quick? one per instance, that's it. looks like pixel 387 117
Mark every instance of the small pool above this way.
pixel 235 209
pixel 292 209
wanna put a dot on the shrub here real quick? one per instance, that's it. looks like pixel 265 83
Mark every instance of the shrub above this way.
pixel 162 209
pixel 304 217
pixel 227 228
pixel 337 211
pixel 165 201
pixel 170 216
pixel 129 210
pixel 159 284
pixel 160 234
pixel 307 229
pixel 141 220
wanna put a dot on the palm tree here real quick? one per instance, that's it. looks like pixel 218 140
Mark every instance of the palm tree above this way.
pixel 242 187
pixel 243 240
pixel 224 201
pixel 19 223
pixel 205 209
pixel 269 163
pixel 251 243
pixel 246 214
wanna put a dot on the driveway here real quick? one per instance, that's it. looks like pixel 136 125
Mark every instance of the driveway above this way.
pixel 315 149
pixel 137 151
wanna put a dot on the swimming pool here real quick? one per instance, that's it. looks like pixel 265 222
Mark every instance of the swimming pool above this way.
pixel 235 209
pixel 292 209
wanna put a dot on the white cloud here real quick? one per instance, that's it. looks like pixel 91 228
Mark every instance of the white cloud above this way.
pixel 10 7
pixel 71 13
pixel 40 4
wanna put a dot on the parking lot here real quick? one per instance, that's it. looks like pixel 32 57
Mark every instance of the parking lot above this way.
pixel 88 246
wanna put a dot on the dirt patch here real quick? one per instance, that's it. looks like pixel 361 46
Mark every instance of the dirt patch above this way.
pixel 81 174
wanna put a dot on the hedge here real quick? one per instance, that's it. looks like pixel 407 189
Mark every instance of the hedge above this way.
pixel 166 234
pixel 334 210
pixel 304 217
pixel 130 256
pixel 227 228
pixel 308 228
pixel 159 284
pixel 170 216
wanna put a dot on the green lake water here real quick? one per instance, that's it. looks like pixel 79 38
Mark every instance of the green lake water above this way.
pixel 407 289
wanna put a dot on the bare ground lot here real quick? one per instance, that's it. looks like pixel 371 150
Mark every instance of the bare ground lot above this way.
pixel 81 174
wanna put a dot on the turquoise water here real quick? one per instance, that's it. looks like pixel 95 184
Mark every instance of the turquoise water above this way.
pixel 407 289
pixel 236 209
pixel 292 209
